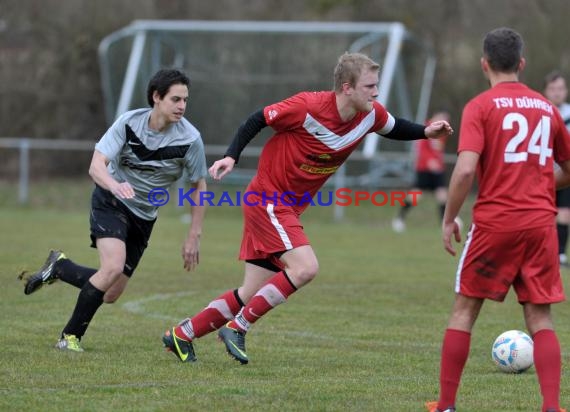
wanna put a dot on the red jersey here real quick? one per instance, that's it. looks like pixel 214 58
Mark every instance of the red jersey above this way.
pixel 311 142
pixel 430 152
pixel 517 134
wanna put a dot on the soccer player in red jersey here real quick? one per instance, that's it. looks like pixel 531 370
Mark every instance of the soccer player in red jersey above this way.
pixel 315 134
pixel 510 136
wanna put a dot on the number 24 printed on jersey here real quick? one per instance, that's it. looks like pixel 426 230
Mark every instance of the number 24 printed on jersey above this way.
pixel 538 143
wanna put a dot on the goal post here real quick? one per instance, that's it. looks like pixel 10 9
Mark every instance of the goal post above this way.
pixel 236 67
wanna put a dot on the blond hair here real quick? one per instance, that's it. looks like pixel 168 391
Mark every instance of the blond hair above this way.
pixel 349 68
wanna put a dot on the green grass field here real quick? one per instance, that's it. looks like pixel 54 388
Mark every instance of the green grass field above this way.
pixel 364 336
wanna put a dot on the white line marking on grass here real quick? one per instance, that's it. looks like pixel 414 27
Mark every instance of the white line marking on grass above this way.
pixel 138 306
pixel 349 339
pixel 82 388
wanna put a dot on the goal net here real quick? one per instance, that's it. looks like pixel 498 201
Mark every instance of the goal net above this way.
pixel 237 67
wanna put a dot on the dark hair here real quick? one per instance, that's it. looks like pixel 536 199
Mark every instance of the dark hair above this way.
pixel 503 48
pixel 161 82
pixel 552 77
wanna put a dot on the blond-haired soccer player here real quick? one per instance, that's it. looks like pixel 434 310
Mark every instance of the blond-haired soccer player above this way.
pixel 315 132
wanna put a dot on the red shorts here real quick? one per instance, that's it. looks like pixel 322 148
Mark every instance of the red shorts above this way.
pixel 270 229
pixel 526 259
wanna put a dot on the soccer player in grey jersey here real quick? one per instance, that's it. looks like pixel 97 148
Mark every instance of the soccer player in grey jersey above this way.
pixel 556 91
pixel 144 149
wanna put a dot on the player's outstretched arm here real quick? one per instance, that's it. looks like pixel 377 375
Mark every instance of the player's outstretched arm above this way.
pixel 403 129
pixel 221 167
pixel 245 133
pixel 438 129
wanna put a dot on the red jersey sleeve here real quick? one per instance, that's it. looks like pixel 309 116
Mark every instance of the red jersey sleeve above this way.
pixel 471 133
pixel 286 114
pixel 383 120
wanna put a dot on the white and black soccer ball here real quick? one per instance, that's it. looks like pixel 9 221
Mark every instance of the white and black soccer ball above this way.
pixel 512 351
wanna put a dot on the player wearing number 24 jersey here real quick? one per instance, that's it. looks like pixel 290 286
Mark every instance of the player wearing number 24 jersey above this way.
pixel 518 134
pixel 510 137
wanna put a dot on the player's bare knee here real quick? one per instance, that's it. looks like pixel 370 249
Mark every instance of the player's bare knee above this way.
pixel 112 272
pixel 245 294
pixel 303 274
pixel 111 297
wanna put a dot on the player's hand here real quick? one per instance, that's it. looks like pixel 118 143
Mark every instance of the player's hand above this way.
pixel 449 229
pixel 123 190
pixel 437 129
pixel 221 167
pixel 191 252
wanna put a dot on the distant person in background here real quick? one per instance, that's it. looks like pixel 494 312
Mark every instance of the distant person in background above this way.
pixel 510 137
pixel 556 91
pixel 430 174
pixel 144 150
pixel 315 132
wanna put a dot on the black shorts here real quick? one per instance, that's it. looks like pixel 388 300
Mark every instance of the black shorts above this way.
pixel 111 218
pixel 429 180
pixel 563 197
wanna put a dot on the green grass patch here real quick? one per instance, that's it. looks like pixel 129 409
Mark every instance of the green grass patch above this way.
pixel 364 336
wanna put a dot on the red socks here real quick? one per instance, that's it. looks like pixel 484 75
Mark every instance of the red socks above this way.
pixel 454 353
pixel 276 291
pixel 214 316
pixel 547 362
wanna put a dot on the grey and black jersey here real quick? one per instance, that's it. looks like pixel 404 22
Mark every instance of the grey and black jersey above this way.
pixel 148 159
pixel 564 110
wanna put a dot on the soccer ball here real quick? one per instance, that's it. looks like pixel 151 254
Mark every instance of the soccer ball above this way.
pixel 512 351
